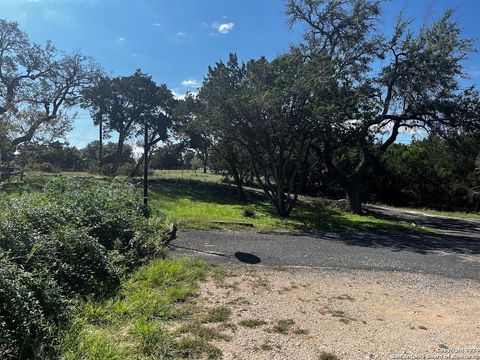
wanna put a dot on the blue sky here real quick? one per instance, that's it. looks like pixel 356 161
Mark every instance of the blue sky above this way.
pixel 176 40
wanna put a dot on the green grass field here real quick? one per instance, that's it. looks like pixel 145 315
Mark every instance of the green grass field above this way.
pixel 200 200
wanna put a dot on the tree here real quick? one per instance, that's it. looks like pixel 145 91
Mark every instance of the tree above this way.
pixel 37 87
pixel 192 129
pixel 90 154
pixel 129 104
pixel 382 84
pixel 262 107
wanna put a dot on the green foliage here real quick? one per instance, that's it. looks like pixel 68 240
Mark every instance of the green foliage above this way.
pixel 434 172
pixel 131 325
pixel 73 240
pixel 217 314
pixel 111 212
pixel 30 308
pixel 249 212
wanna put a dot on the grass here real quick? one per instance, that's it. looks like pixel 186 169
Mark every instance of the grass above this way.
pixel 200 201
pixel 217 314
pixel 136 323
pixel 251 323
pixel 283 326
pixel 327 356
pixel 343 317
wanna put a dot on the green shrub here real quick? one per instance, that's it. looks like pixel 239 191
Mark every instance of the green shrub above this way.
pixel 26 219
pixel 112 212
pixel 77 262
pixel 30 309
pixel 75 239
pixel 249 212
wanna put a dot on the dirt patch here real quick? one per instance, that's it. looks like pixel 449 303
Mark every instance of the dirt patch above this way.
pixel 300 314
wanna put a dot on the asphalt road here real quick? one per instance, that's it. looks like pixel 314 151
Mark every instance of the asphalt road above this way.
pixel 454 253
pixel 445 224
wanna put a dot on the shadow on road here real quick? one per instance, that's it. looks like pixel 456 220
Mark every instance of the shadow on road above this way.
pixel 247 258
pixel 468 227
pixel 421 243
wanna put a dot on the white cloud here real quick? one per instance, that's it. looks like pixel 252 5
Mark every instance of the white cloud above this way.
pixel 223 28
pixel 181 96
pixel 178 95
pixel 191 83
pixel 156 24
pixel 181 34
pixel 121 39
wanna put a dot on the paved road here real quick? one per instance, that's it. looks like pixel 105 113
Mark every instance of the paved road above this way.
pixel 453 253
pixel 446 224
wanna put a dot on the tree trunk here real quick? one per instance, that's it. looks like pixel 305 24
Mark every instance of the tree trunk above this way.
pixel 283 209
pixel 205 161
pixel 237 179
pixel 118 155
pixel 353 197
pixel 350 184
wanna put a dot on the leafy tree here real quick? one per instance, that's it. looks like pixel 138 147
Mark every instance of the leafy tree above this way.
pixel 379 84
pixel 231 159
pixel 169 156
pixel 261 106
pixel 129 103
pixel 192 130
pixel 38 84
pixel 434 172
pixel 90 154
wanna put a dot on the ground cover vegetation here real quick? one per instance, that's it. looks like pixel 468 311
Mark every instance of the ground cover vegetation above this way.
pixel 73 241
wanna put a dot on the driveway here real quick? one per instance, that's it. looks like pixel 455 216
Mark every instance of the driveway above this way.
pixel 445 224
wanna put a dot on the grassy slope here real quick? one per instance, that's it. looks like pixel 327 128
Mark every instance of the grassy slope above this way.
pixel 198 200
pixel 141 322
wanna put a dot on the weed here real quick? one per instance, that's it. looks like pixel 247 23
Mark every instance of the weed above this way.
pixel 300 331
pixel 344 297
pixel 249 212
pixel 239 301
pixel 202 332
pixel 283 326
pixel 217 314
pixel 193 348
pixel 251 323
pixel 327 356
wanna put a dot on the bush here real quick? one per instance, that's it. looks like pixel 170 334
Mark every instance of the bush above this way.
pixel 30 309
pixel 112 212
pixel 77 262
pixel 73 240
pixel 249 212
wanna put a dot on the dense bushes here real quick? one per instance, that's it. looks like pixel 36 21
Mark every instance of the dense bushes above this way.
pixel 73 240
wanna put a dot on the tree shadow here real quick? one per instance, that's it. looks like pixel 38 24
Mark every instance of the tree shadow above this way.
pixel 399 241
pixel 195 190
pixel 436 222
